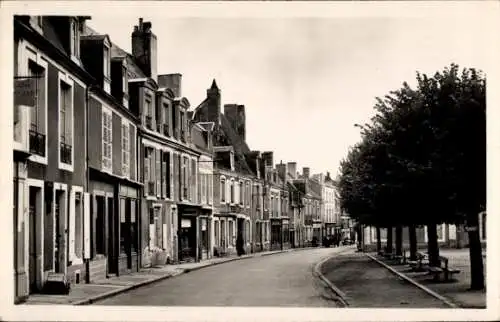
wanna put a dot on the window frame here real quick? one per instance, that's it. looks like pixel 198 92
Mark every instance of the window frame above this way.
pixel 107 113
pixel 222 189
pixel 125 148
pixel 67 81
pixel 26 53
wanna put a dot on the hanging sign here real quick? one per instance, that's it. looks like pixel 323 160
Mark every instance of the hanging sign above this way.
pixel 25 91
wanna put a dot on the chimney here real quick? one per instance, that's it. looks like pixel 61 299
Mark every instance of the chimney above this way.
pixel 172 81
pixel 292 169
pixel 305 172
pixel 144 48
pixel 267 158
pixel 236 115
pixel 213 105
pixel 281 168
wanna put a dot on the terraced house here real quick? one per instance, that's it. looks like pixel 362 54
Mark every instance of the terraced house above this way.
pixel 113 168
pixel 233 177
pixel 51 197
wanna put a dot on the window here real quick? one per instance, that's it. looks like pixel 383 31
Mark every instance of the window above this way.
pixel 134 237
pixel 149 171
pixel 37 140
pixel 125 149
pixel 248 194
pixel 149 113
pixel 75 39
pixel 65 123
pixel 106 62
pixel 222 190
pixel 123 226
pixel 166 115
pixel 157 173
pixel 242 193
pixel 210 187
pixel 231 191
pixel 124 80
pixel 192 181
pixel 107 139
pixel 164 178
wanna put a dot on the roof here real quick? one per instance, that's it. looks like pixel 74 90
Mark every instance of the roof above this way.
pixel 132 66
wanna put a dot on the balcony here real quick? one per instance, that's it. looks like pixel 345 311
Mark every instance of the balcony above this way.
pixel 37 143
pixel 149 122
pixel 65 152
pixel 21 128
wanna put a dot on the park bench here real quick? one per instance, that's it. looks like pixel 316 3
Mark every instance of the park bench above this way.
pixel 418 265
pixel 443 270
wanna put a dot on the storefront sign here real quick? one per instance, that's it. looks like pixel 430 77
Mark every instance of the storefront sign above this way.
pixel 471 228
pixel 185 223
pixel 25 91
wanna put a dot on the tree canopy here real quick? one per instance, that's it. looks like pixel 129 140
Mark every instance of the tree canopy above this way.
pixel 422 158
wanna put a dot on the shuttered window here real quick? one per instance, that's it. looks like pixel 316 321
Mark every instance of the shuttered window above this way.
pixel 125 149
pixel 107 140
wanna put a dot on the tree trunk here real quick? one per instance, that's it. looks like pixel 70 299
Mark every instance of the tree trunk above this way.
pixel 399 240
pixel 379 243
pixel 475 253
pixel 389 240
pixel 412 232
pixel 432 245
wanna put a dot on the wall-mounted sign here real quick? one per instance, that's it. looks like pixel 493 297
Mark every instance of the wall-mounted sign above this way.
pixel 25 91
pixel 186 223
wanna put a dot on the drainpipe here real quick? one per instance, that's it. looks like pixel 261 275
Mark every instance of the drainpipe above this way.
pixel 87 174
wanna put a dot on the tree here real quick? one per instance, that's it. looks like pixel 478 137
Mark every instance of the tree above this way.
pixel 421 161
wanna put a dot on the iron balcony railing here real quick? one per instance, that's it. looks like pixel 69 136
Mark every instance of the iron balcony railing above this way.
pixel 65 152
pixel 37 143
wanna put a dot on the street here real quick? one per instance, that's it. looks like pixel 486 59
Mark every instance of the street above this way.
pixel 284 280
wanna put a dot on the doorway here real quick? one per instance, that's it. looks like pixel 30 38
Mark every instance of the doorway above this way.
pixel 111 239
pixel 187 240
pixel 34 213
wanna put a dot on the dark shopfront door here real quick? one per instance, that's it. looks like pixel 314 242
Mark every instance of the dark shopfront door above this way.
pixel 187 239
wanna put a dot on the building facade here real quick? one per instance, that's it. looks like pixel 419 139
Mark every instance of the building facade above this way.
pixel 50 186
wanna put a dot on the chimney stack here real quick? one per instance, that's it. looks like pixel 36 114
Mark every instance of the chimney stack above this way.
pixel 144 48
pixel 281 168
pixel 172 81
pixel 305 172
pixel 236 115
pixel 267 158
pixel 292 169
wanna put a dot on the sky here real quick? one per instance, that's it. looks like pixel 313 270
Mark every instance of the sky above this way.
pixel 304 81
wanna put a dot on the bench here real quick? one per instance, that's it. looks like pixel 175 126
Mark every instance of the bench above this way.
pixel 418 265
pixel 443 270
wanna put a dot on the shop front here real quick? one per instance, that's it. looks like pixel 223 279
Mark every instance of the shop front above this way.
pixel 189 233
pixel 276 234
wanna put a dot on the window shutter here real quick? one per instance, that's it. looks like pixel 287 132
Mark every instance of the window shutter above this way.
pixel 146 171
pixel 210 188
pixel 170 180
pixel 164 178
pixel 158 172
pixel 86 225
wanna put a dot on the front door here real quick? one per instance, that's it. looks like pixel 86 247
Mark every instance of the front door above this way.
pixel 187 239
pixel 32 238
pixel 112 238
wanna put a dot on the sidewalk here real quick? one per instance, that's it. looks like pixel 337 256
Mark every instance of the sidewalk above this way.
pixel 82 294
pixel 456 291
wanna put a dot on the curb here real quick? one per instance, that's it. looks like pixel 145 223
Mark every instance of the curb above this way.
pixel 341 297
pixel 108 294
pixel 411 281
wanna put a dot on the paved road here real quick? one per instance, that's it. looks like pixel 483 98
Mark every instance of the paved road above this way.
pixel 278 280
pixel 368 284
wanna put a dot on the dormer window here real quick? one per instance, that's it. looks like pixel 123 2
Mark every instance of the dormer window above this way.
pixel 106 64
pixel 75 39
